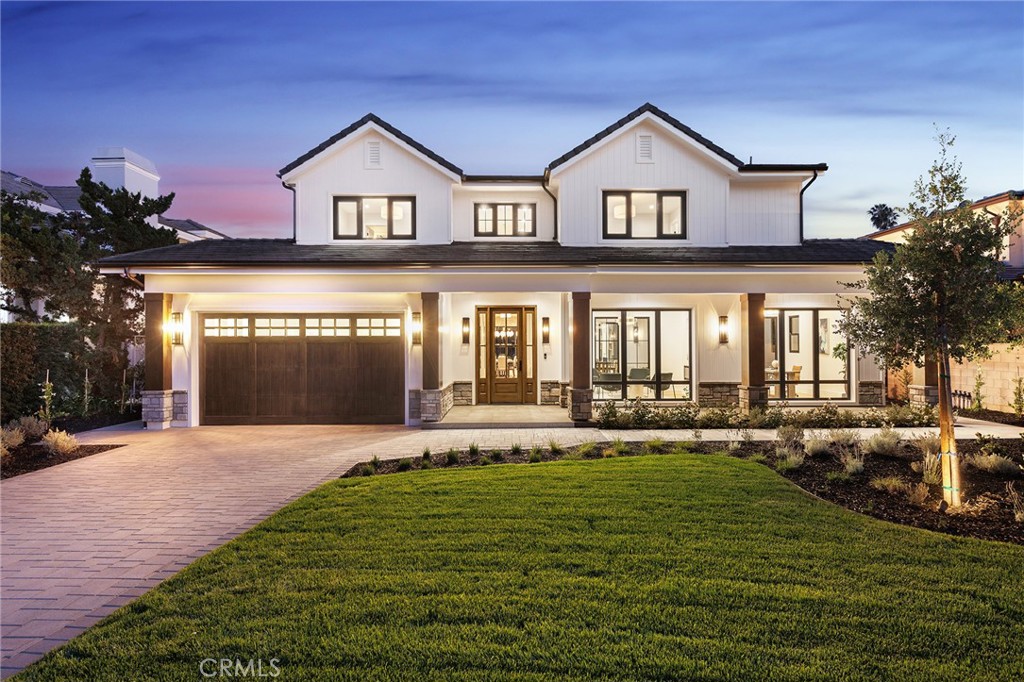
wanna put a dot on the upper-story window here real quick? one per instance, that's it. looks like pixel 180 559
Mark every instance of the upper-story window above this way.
pixel 375 217
pixel 505 220
pixel 644 215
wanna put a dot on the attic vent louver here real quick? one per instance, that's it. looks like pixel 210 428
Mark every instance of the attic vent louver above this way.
pixel 644 148
pixel 372 154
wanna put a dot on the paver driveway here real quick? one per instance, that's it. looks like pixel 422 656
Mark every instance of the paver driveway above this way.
pixel 80 539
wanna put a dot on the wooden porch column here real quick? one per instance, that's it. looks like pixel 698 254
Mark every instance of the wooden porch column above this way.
pixel 753 392
pixel 157 397
pixel 581 394
pixel 158 344
pixel 431 341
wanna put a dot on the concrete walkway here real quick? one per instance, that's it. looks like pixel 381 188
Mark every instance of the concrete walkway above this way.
pixel 81 539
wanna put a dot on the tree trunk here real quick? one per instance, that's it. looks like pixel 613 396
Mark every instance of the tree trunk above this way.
pixel 947 437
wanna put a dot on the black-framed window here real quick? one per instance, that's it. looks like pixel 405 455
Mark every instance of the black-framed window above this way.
pixel 505 220
pixel 642 354
pixel 644 215
pixel 807 358
pixel 375 217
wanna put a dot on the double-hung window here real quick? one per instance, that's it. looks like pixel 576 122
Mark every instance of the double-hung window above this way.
pixel 375 217
pixel 505 220
pixel 644 215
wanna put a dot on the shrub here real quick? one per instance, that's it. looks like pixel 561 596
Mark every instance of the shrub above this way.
pixel 977 400
pixel 474 450
pixel 988 445
pixel 917 494
pixel 681 416
pixel 4 452
pixel 366 470
pixel 555 448
pixel 29 350
pixel 837 477
pixel 375 463
pixel 484 461
pixel 586 449
pixel 33 427
pixel 60 442
pixel 608 416
pixel 825 416
pixel 816 445
pixel 1018 397
pixel 757 457
pixel 890 484
pixel 852 460
pixel 789 458
pixel 771 417
pixel 844 437
pixel 516 449
pixel 930 468
pixel 619 447
pixel 1016 501
pixel 747 436
pixel 640 414
pixel 719 418
pixel 886 443
pixel 995 464
pixel 452 456
pixel 426 464
pixel 497 455
pixel 655 446
pixel 12 436
pixel 405 464
pixel 426 454
pixel 928 444
pixel 535 454
pixel 790 436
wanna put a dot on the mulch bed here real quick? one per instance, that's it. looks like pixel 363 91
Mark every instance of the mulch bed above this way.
pixel 994 520
pixel 26 458
pixel 993 416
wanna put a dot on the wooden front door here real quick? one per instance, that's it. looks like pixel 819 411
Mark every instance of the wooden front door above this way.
pixel 506 355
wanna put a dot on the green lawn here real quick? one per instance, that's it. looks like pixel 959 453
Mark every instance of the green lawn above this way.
pixel 659 567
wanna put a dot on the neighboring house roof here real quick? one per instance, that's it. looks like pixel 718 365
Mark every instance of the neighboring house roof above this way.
pixel 1008 195
pixel 67 197
pixel 13 183
pixel 1012 274
pixel 284 252
pixel 381 123
pixel 190 226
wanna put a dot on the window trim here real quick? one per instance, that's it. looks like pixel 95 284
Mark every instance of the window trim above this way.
pixel 358 199
pixel 493 206
pixel 660 230
pixel 659 386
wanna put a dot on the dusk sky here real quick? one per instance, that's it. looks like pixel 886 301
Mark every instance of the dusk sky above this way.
pixel 221 95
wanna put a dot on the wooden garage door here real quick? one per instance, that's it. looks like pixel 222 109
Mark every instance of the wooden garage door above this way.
pixel 302 369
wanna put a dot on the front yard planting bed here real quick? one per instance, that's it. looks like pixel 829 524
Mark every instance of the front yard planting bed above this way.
pixel 994 416
pixel 33 457
pixel 679 566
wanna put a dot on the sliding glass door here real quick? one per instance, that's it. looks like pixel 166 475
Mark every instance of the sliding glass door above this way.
pixel 806 357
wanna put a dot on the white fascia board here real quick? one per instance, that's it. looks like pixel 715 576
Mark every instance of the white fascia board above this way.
pixel 777 176
pixel 294 173
pixel 651 118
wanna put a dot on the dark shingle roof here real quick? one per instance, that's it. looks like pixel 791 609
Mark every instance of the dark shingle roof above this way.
pixel 188 225
pixel 13 183
pixel 284 252
pixel 67 197
pixel 371 118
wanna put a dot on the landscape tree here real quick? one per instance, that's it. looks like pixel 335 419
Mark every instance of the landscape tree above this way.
pixel 939 295
pixel 883 216
pixel 48 258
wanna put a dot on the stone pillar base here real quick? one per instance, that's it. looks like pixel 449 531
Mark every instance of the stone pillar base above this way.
pixel 870 393
pixel 157 409
pixel 550 393
pixel 435 403
pixel 924 395
pixel 462 392
pixel 581 404
pixel 721 394
pixel 563 394
pixel 752 397
pixel 179 408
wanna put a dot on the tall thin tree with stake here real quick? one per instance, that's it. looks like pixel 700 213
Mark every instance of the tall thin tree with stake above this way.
pixel 940 294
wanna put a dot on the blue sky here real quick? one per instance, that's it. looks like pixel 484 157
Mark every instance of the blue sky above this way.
pixel 221 95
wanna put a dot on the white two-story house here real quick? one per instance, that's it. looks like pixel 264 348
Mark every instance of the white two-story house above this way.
pixel 646 262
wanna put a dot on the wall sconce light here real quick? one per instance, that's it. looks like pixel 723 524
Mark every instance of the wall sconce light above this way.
pixel 465 331
pixel 545 330
pixel 176 329
pixel 417 329
pixel 723 329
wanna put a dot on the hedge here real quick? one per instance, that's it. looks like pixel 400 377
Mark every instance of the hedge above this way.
pixel 28 350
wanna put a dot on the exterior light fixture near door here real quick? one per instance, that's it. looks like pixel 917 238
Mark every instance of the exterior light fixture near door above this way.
pixel 176 329
pixel 723 329
pixel 545 330
pixel 417 329
pixel 465 331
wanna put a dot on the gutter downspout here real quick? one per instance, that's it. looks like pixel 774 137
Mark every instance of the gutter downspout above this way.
pixel 554 200
pixel 802 190
pixel 295 218
pixel 133 279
